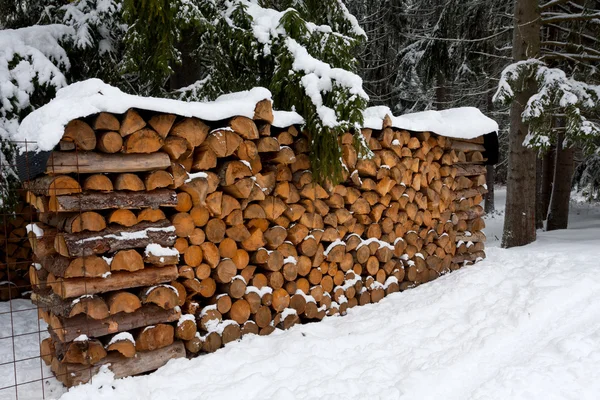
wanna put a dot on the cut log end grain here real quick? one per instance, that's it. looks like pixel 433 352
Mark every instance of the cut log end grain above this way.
pixel 86 352
pixel 106 122
pixel 240 311
pixel 94 307
pixel 154 337
pixel 124 302
pixel 162 123
pixel 186 329
pixel 81 134
pixel 164 296
pixel 110 142
pixel 158 179
pixel 231 333
pixel 124 347
pixel 98 182
pixel 191 129
pixel 143 141
pixel 131 122
pixel 264 111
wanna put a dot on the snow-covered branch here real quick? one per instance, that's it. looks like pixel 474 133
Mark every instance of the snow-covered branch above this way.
pixel 555 92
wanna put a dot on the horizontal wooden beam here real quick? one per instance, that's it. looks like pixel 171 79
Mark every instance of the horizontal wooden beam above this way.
pixel 92 163
pixel 104 201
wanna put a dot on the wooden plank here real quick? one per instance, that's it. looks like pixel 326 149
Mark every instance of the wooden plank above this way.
pixel 92 162
pixel 144 361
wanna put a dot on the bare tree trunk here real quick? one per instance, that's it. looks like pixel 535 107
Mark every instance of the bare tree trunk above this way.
pixel 539 201
pixel 519 223
pixel 558 216
pixel 490 205
pixel 441 95
pixel 490 176
pixel 190 70
pixel 547 179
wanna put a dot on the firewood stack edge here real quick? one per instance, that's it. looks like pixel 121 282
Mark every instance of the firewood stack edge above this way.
pixel 159 236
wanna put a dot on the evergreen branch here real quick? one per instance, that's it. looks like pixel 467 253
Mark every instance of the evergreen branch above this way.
pixel 552 3
pixel 551 18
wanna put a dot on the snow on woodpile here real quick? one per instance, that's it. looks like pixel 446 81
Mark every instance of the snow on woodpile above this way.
pixel 458 123
pixel 45 126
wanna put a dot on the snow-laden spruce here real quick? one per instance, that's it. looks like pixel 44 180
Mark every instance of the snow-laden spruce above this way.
pixel 554 91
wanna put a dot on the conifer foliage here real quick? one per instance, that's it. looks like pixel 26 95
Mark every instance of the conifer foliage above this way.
pixel 305 54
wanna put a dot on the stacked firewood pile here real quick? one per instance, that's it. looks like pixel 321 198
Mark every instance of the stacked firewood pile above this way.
pixel 15 252
pixel 160 234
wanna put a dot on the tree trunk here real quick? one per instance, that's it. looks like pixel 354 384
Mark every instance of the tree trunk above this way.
pixel 547 179
pixel 440 91
pixel 519 223
pixel 539 200
pixel 558 216
pixel 490 205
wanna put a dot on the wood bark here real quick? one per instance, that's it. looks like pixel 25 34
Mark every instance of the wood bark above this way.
pixel 519 223
pixel 558 215
pixel 91 163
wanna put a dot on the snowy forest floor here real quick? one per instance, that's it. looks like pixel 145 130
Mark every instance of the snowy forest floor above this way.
pixel 523 324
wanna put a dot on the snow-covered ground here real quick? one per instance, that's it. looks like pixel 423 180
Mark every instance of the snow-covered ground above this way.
pixel 523 324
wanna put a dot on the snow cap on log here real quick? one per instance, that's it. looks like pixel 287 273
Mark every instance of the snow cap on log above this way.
pixel 44 127
pixel 458 123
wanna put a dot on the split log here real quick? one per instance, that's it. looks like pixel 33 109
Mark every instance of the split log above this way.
pixel 53 185
pixel 93 306
pixel 158 179
pixel 154 337
pixel 130 182
pixel 264 111
pixel 224 142
pixel 124 302
pixel 127 260
pixel 122 344
pixel 81 134
pixel 132 122
pixel 74 223
pixel 162 123
pixel 85 352
pixel 97 182
pixel 106 122
pixel 191 129
pixel 63 267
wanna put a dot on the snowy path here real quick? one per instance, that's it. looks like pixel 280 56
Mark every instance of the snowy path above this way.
pixel 523 324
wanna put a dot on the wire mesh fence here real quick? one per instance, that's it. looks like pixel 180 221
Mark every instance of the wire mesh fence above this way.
pixel 25 357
